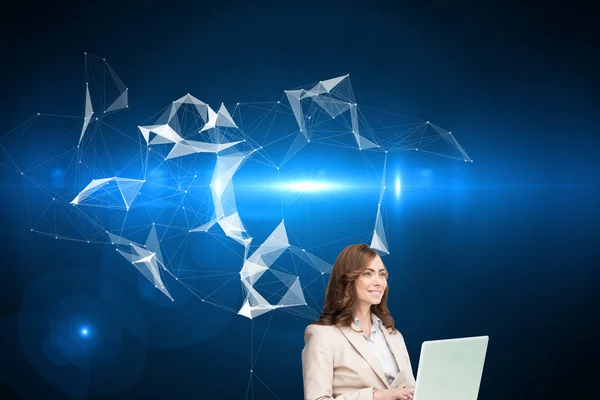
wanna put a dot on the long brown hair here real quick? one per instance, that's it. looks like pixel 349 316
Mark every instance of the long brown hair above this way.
pixel 340 296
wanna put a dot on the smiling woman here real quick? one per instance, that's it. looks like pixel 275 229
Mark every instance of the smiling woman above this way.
pixel 353 350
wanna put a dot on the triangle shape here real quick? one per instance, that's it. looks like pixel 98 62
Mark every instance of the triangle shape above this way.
pixel 145 133
pixel 224 118
pixel 342 90
pixel 294 296
pixel 271 256
pixel 180 150
pixel 153 245
pixel 246 310
pixel 294 100
pixel 119 103
pixel 377 244
pixel 212 120
pixel 315 91
pixel 332 106
pixel 129 189
pixel 284 277
pixel 314 261
pixel 89 112
pixel 329 84
pixel 364 143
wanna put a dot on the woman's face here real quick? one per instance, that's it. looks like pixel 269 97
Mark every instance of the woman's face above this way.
pixel 371 284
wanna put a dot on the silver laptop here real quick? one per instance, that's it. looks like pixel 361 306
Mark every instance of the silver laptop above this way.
pixel 451 369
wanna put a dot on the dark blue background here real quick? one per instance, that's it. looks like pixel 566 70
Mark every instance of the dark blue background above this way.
pixel 506 246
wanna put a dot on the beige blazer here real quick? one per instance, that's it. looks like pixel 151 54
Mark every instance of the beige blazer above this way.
pixel 338 363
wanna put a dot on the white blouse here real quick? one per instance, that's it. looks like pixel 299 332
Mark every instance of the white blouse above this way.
pixel 380 348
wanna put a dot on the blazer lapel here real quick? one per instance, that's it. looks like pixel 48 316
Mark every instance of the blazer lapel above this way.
pixel 358 341
pixel 395 347
pixel 400 354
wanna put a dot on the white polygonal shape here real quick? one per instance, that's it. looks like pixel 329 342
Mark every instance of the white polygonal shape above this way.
pixel 120 103
pixel 212 120
pixel 294 296
pixel 332 106
pixel 89 112
pixel 329 84
pixel 224 119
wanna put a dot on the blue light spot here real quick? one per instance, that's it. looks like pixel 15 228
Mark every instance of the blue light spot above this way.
pixel 84 331
pixel 309 186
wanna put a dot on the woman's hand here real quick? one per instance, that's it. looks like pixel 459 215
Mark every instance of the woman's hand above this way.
pixel 394 394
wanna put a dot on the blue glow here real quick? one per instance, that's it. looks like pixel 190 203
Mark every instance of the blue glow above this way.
pixel 308 186
pixel 84 331
pixel 398 187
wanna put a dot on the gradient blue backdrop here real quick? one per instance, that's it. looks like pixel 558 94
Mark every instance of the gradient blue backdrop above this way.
pixel 506 246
